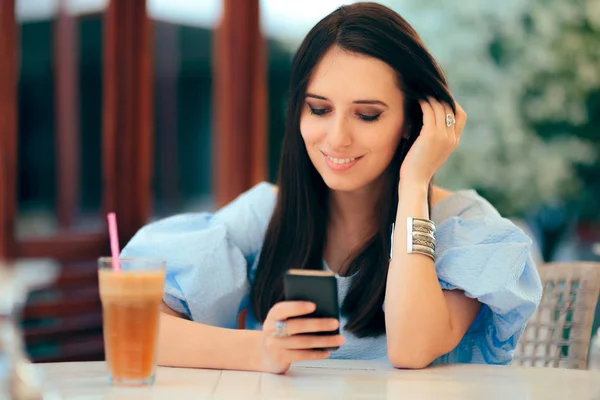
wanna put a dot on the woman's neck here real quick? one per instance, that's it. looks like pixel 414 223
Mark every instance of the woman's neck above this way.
pixel 354 213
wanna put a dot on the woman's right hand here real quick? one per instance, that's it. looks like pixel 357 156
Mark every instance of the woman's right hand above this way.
pixel 278 353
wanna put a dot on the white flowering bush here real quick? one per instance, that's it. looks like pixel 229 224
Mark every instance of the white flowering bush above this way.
pixel 524 72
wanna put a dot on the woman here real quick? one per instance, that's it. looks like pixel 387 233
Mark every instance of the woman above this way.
pixel 370 120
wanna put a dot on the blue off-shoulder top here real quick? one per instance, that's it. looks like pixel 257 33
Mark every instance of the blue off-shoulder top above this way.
pixel 211 259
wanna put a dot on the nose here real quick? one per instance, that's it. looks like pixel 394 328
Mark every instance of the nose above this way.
pixel 339 136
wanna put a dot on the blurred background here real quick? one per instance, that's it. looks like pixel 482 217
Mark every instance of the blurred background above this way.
pixel 157 107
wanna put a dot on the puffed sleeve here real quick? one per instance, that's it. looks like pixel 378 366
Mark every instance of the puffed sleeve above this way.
pixel 209 255
pixel 489 258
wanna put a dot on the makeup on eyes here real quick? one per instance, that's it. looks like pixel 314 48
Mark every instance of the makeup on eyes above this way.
pixel 366 114
pixel 369 114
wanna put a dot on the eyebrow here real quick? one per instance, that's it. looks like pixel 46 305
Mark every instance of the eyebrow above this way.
pixel 379 102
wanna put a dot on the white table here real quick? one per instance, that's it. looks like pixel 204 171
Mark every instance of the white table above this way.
pixel 333 379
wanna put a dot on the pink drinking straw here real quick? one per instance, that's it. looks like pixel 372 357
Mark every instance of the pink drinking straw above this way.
pixel 114 240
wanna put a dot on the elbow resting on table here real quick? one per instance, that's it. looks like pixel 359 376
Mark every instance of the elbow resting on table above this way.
pixel 406 359
pixel 419 354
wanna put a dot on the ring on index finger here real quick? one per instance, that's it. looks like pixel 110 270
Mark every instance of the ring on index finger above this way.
pixel 280 329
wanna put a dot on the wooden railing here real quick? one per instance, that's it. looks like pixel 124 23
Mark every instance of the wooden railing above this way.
pixel 240 98
pixel 63 322
pixel 8 127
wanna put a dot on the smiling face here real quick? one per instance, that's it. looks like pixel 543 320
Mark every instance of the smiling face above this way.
pixel 352 119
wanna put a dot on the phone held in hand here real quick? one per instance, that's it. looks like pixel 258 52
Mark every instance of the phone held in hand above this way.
pixel 318 287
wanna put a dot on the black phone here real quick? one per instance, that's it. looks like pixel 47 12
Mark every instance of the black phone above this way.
pixel 318 287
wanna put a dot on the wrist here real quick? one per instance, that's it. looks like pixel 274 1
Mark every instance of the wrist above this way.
pixel 413 186
pixel 412 201
pixel 253 344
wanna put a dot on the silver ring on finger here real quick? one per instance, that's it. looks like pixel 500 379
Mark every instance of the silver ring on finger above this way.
pixel 280 329
pixel 450 120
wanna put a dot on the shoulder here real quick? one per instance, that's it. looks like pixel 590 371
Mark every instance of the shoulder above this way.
pixel 488 257
pixel 464 218
pixel 243 221
pixel 258 200
pixel 462 203
pixel 247 217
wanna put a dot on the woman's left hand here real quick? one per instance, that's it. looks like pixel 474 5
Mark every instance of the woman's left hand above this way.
pixel 435 143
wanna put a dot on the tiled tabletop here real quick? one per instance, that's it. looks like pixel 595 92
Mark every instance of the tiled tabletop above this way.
pixel 332 379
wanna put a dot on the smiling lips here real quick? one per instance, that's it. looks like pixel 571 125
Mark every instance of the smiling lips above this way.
pixel 341 164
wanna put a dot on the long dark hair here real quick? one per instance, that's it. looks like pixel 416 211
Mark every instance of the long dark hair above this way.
pixel 297 231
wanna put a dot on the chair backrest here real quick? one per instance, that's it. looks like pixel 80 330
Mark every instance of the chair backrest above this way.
pixel 558 333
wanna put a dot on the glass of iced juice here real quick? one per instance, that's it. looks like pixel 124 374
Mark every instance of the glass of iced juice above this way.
pixel 131 296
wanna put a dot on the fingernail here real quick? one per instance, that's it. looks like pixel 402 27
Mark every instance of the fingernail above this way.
pixel 311 306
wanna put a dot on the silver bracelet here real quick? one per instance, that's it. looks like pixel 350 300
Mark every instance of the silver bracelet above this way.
pixel 421 225
pixel 425 243
pixel 423 236
pixel 424 250
pixel 420 236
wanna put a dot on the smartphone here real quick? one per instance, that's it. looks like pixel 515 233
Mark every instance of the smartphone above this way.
pixel 318 287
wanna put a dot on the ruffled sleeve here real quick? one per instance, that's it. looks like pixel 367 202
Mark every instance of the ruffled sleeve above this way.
pixel 489 258
pixel 208 256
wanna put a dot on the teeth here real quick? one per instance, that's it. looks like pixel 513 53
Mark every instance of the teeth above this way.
pixel 341 160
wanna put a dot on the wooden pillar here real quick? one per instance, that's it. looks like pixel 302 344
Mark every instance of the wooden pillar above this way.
pixel 167 73
pixel 127 114
pixel 67 116
pixel 240 145
pixel 8 127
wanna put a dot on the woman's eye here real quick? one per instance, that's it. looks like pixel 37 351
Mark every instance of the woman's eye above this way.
pixel 369 118
pixel 317 111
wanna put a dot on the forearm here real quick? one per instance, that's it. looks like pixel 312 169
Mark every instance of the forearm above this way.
pixel 416 314
pixel 183 343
